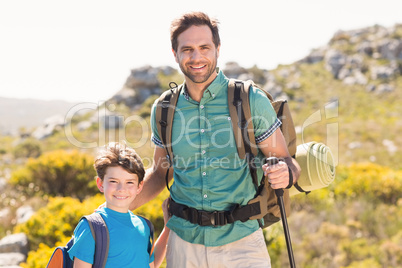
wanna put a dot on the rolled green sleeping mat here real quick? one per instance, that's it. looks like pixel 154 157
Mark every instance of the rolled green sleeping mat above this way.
pixel 317 167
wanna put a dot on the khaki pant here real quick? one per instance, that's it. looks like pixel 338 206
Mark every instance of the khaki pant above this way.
pixel 250 251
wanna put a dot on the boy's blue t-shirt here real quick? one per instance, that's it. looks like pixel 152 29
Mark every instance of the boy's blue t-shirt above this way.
pixel 129 243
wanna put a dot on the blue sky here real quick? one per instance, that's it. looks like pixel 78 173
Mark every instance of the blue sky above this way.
pixel 84 50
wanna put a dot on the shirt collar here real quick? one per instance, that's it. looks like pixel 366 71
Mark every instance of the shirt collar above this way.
pixel 213 89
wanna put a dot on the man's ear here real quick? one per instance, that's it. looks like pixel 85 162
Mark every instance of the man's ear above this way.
pixel 217 51
pixel 99 183
pixel 175 55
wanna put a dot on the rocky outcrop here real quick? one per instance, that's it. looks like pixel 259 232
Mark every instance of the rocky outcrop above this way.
pixel 142 83
pixel 353 56
pixel 50 125
pixel 234 70
pixel 13 250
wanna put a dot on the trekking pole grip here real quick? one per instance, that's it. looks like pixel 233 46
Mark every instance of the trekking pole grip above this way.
pixel 273 161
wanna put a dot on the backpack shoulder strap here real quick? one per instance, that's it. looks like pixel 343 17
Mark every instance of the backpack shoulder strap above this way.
pixel 282 110
pixel 242 123
pixel 240 113
pixel 100 234
pixel 151 234
pixel 165 108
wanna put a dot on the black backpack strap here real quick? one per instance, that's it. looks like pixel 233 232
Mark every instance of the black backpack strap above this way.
pixel 164 114
pixel 100 234
pixel 151 234
pixel 243 129
pixel 242 123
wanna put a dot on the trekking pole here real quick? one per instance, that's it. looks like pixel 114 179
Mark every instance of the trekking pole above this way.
pixel 279 195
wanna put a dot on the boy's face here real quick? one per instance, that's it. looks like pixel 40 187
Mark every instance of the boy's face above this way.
pixel 119 187
pixel 196 54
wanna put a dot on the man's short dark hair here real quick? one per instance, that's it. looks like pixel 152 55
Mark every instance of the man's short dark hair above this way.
pixel 187 20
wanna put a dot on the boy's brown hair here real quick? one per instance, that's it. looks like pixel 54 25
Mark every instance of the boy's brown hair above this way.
pixel 115 154
pixel 187 20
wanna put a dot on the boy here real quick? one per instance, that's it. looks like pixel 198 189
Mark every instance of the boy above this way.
pixel 120 177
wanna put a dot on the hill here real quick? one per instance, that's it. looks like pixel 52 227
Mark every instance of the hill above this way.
pixel 28 113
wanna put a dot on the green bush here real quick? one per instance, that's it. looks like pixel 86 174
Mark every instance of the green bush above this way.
pixel 57 173
pixel 372 181
pixel 57 220
pixel 28 148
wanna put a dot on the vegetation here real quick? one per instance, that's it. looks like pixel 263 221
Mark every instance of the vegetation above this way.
pixel 58 173
pixel 28 148
pixel 363 121
pixel 345 225
pixel 368 231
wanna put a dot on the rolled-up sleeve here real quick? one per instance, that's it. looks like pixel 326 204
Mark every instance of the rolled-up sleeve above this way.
pixel 264 116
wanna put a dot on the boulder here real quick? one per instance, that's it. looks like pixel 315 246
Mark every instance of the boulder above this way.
pixel 390 49
pixel 384 88
pixel 141 84
pixel 383 72
pixel 233 70
pixel 24 213
pixel 274 89
pixel 144 77
pixel 50 125
pixel 11 260
pixel 316 55
pixel 14 243
pixel 334 61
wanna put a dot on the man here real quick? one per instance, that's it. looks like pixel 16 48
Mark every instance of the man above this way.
pixel 208 174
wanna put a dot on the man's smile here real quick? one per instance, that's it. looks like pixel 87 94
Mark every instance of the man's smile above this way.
pixel 199 67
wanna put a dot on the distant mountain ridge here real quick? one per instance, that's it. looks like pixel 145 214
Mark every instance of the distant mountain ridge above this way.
pixel 28 113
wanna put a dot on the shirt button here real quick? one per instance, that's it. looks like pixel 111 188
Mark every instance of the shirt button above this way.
pixel 203 152
pixel 202 130
pixel 204 173
pixel 205 195
pixel 202 106
pixel 229 118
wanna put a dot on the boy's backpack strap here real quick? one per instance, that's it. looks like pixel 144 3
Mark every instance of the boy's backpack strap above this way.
pixel 164 114
pixel 100 234
pixel 151 234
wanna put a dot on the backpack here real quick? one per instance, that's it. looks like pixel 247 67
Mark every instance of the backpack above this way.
pixel 264 205
pixel 100 233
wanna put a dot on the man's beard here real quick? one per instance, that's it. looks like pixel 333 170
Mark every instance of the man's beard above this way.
pixel 197 78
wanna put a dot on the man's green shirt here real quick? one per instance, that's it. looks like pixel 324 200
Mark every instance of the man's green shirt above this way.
pixel 208 173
